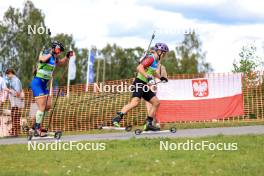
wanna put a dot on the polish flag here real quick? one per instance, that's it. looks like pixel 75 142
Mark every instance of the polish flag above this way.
pixel 216 96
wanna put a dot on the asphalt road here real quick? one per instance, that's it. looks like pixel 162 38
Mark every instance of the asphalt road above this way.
pixel 244 130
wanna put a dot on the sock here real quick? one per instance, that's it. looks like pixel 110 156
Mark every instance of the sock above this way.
pixel 37 126
pixel 121 114
pixel 149 119
pixel 39 117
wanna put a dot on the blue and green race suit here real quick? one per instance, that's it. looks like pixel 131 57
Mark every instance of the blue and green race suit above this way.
pixel 39 84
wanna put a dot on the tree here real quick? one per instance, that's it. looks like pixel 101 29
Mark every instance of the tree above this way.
pixel 19 49
pixel 248 59
pixel 171 63
pixel 119 63
pixel 191 57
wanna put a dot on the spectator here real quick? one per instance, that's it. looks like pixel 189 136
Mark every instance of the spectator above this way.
pixel 2 93
pixel 15 94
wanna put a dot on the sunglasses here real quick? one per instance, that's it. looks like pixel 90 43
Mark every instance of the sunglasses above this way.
pixel 57 50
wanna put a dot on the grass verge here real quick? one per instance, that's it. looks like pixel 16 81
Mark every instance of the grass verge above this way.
pixel 139 157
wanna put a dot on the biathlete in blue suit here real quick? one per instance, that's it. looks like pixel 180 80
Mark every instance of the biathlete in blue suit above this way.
pixel 47 63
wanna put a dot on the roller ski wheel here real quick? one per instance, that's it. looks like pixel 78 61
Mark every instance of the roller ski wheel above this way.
pixel 57 135
pixel 100 126
pixel 25 128
pixel 173 130
pixel 29 137
pixel 30 134
pixel 128 128
pixel 138 131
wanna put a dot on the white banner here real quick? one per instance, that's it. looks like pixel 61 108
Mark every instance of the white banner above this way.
pixel 210 87
pixel 72 68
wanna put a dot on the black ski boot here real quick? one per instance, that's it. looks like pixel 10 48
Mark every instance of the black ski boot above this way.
pixel 149 126
pixel 117 119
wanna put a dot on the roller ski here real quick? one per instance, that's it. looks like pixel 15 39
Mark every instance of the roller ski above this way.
pixel 149 128
pixel 41 133
pixel 115 124
pixel 37 132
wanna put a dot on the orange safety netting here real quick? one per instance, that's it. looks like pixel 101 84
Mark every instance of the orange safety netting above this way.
pixel 83 110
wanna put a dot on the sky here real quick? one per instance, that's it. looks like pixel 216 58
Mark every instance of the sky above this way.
pixel 223 26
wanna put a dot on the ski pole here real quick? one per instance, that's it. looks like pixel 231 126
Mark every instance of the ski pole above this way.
pixel 145 53
pixel 152 38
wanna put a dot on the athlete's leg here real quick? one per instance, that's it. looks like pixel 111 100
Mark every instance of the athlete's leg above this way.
pixel 133 103
pixel 136 97
pixel 154 101
pixel 148 105
pixel 40 92
pixel 43 103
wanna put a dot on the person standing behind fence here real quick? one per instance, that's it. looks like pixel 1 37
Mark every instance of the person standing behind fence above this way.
pixel 2 93
pixel 15 95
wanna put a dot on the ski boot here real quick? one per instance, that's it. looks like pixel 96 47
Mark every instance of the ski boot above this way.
pixel 117 119
pixel 149 125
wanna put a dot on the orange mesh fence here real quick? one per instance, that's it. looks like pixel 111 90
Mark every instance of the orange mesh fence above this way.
pixel 83 110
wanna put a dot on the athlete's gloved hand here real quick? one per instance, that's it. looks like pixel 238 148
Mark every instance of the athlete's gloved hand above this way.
pixel 163 79
pixel 69 54
pixel 151 80
pixel 53 53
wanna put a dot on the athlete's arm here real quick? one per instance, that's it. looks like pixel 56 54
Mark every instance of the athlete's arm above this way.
pixel 141 69
pixel 65 59
pixel 44 58
pixel 144 64
pixel 157 75
pixel 62 61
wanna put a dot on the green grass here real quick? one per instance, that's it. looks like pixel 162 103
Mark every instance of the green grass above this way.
pixel 139 157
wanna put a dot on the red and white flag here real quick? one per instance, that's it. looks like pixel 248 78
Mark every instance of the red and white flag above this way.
pixel 214 97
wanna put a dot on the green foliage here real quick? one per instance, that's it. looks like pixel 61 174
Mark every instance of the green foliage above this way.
pixel 171 63
pixel 20 50
pixel 191 57
pixel 248 59
pixel 119 63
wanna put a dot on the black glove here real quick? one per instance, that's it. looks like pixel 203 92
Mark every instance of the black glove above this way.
pixel 163 79
pixel 69 54
pixel 53 53
pixel 150 80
